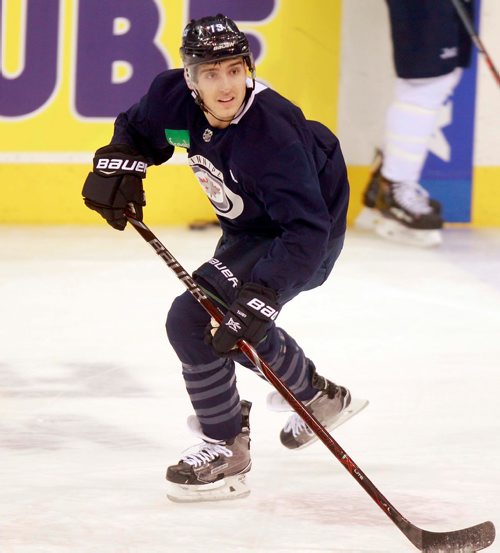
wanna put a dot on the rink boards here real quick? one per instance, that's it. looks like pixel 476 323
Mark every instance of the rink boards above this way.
pixel 69 68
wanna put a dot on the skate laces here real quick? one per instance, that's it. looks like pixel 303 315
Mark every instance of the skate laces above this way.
pixel 297 426
pixel 412 196
pixel 208 452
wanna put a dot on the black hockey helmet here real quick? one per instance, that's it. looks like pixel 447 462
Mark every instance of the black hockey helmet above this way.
pixel 212 39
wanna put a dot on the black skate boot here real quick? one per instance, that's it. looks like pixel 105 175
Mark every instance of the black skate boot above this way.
pixel 410 216
pixel 371 191
pixel 332 406
pixel 215 470
pixel 407 215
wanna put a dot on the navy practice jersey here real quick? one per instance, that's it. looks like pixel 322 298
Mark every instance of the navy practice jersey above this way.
pixel 270 173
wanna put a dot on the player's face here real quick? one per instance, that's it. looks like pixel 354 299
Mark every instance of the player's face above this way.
pixel 222 87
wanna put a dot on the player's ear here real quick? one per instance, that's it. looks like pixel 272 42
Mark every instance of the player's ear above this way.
pixel 188 78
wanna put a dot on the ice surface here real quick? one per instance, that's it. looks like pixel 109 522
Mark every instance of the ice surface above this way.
pixel 93 407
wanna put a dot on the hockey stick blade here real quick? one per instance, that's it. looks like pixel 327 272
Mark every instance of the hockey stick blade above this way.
pixel 467 540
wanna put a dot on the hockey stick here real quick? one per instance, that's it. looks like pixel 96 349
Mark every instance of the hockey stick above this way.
pixel 466 20
pixel 467 540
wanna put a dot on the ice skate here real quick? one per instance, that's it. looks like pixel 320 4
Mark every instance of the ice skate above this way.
pixel 402 212
pixel 332 406
pixel 214 470
pixel 407 215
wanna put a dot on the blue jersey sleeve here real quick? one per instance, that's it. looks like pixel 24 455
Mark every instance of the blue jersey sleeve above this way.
pixel 143 125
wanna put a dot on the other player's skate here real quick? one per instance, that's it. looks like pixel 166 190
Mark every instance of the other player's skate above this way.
pixel 216 470
pixel 402 212
pixel 332 406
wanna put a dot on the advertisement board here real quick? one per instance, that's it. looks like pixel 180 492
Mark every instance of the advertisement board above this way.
pixel 69 67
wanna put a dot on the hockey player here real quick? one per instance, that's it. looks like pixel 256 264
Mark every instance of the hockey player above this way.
pixel 278 185
pixel 430 46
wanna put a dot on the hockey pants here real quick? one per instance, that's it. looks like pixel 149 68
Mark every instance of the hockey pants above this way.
pixel 210 380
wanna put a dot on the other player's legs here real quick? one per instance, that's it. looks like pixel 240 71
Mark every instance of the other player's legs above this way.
pixel 396 206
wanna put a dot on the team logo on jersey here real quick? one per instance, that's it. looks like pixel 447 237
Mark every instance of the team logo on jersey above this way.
pixel 225 201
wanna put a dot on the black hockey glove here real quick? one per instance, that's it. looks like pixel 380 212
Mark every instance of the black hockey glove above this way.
pixel 116 182
pixel 248 318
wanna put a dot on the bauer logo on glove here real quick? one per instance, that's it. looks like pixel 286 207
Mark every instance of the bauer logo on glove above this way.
pixel 248 318
pixel 119 159
pixel 260 307
pixel 115 184
pixel 120 165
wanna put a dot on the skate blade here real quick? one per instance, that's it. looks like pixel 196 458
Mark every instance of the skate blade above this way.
pixel 392 230
pixel 354 408
pixel 231 487
pixel 368 219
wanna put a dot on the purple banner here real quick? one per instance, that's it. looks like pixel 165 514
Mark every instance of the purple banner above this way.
pixel 32 88
pixel 99 45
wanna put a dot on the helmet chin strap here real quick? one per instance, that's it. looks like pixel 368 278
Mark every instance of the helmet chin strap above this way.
pixel 199 100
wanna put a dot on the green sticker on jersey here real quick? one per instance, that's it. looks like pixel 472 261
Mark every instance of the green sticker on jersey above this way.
pixel 179 138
